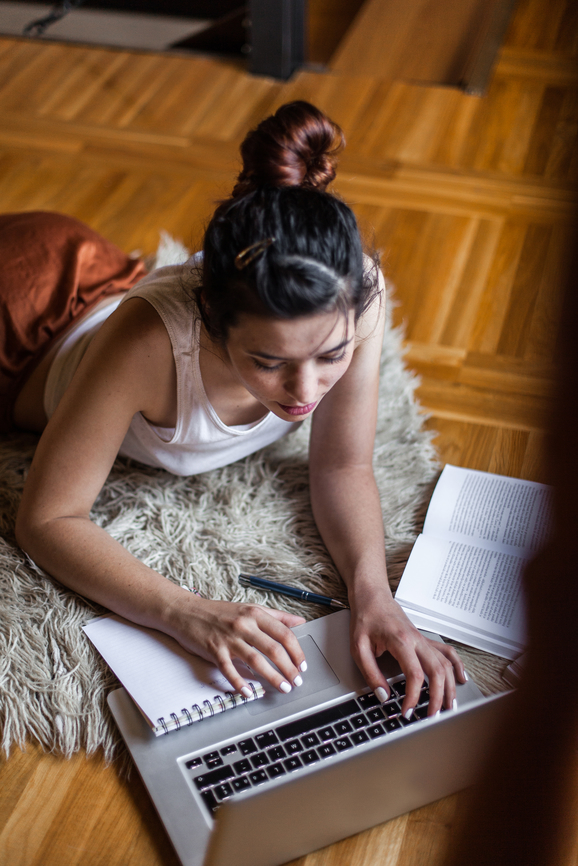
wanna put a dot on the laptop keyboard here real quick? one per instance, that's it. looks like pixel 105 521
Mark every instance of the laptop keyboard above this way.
pixel 288 748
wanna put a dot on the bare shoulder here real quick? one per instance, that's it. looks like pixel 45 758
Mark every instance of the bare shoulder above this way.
pixel 132 356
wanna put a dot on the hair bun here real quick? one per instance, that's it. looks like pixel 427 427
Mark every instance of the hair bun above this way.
pixel 296 146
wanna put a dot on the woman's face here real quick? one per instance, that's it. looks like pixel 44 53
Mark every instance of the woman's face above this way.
pixel 290 364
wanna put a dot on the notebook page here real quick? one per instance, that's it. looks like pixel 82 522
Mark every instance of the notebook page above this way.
pixel 158 673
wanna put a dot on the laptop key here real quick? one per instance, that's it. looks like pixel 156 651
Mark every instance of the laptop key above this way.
pixel 213 759
pixel 276 770
pixel 392 725
pixel 292 764
pixel 309 757
pixel 258 777
pixel 210 801
pixel 228 750
pixel 421 712
pixel 310 740
pixel 358 721
pixel 359 737
pixel 293 747
pixel 242 766
pixel 326 750
pixel 342 744
pixel 326 733
pixel 266 739
pixel 223 791
pixel 392 708
pixel 259 760
pixel 366 702
pixel 399 688
pixel 375 715
pixel 214 777
pixel 378 730
pixel 194 762
pixel 276 753
pixel 246 747
pixel 241 784
pixel 342 728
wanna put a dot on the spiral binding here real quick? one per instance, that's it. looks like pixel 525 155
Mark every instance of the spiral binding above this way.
pixel 209 708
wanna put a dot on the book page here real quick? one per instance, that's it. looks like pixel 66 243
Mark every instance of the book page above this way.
pixel 495 511
pixel 474 587
pixel 158 673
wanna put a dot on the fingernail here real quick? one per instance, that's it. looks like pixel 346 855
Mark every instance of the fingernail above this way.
pixel 466 677
pixel 285 687
pixel 437 714
pixel 246 691
pixel 298 681
pixel 303 667
pixel 408 714
pixel 380 694
pixel 455 704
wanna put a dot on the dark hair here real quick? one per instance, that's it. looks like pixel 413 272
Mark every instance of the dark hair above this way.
pixel 307 255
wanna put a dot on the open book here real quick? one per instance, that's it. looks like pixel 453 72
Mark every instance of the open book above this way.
pixel 464 576
pixel 171 687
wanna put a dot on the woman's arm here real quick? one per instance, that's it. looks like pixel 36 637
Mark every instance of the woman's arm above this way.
pixel 129 368
pixel 347 511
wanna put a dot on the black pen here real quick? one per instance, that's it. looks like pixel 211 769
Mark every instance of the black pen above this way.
pixel 293 591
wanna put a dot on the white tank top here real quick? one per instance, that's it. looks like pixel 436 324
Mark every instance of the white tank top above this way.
pixel 200 441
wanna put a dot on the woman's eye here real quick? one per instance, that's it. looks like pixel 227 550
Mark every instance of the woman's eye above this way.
pixel 335 359
pixel 264 366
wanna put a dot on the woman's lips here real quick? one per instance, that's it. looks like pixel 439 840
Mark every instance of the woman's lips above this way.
pixel 299 410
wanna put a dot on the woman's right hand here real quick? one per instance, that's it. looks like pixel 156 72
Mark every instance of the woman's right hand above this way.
pixel 260 637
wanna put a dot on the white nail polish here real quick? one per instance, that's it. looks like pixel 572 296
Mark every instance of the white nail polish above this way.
pixel 380 694
pixel 454 704
pixel 437 714
pixel 284 687
pixel 303 667
pixel 246 691
pixel 408 714
pixel 466 677
pixel 298 681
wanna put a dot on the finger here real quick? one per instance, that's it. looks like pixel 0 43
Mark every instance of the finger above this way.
pixel 414 676
pixel 459 670
pixel 365 660
pixel 275 628
pixel 258 661
pixel 229 671
pixel 436 675
pixel 288 619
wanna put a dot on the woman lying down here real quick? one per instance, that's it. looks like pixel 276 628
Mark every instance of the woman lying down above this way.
pixel 192 367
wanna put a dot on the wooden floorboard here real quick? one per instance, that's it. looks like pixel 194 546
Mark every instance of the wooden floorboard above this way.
pixel 470 202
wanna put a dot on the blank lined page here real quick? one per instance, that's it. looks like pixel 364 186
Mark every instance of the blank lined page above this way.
pixel 159 674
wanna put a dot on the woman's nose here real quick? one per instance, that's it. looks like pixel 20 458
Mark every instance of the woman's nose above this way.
pixel 301 385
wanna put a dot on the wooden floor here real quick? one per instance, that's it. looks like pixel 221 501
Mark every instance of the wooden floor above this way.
pixel 470 201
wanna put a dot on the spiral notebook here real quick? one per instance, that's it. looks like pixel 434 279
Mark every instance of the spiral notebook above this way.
pixel 170 686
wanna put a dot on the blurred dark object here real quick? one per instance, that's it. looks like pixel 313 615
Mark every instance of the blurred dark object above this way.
pixel 229 34
pixel 524 812
pixel 270 32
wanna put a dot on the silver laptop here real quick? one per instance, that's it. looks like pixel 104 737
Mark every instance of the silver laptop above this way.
pixel 279 777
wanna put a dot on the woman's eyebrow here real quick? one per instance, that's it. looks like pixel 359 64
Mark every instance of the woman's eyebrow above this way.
pixel 325 352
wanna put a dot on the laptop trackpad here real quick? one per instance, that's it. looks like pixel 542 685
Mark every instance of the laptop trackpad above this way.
pixel 320 675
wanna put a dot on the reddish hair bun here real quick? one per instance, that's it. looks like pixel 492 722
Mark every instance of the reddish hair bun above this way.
pixel 296 146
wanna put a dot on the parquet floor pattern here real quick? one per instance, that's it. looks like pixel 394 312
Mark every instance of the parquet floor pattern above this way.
pixel 470 202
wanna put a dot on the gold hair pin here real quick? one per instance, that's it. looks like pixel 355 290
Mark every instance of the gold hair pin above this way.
pixel 249 254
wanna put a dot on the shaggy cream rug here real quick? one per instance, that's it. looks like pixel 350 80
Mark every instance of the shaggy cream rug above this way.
pixel 253 516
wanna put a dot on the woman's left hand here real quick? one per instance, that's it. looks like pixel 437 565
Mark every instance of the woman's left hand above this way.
pixel 378 624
